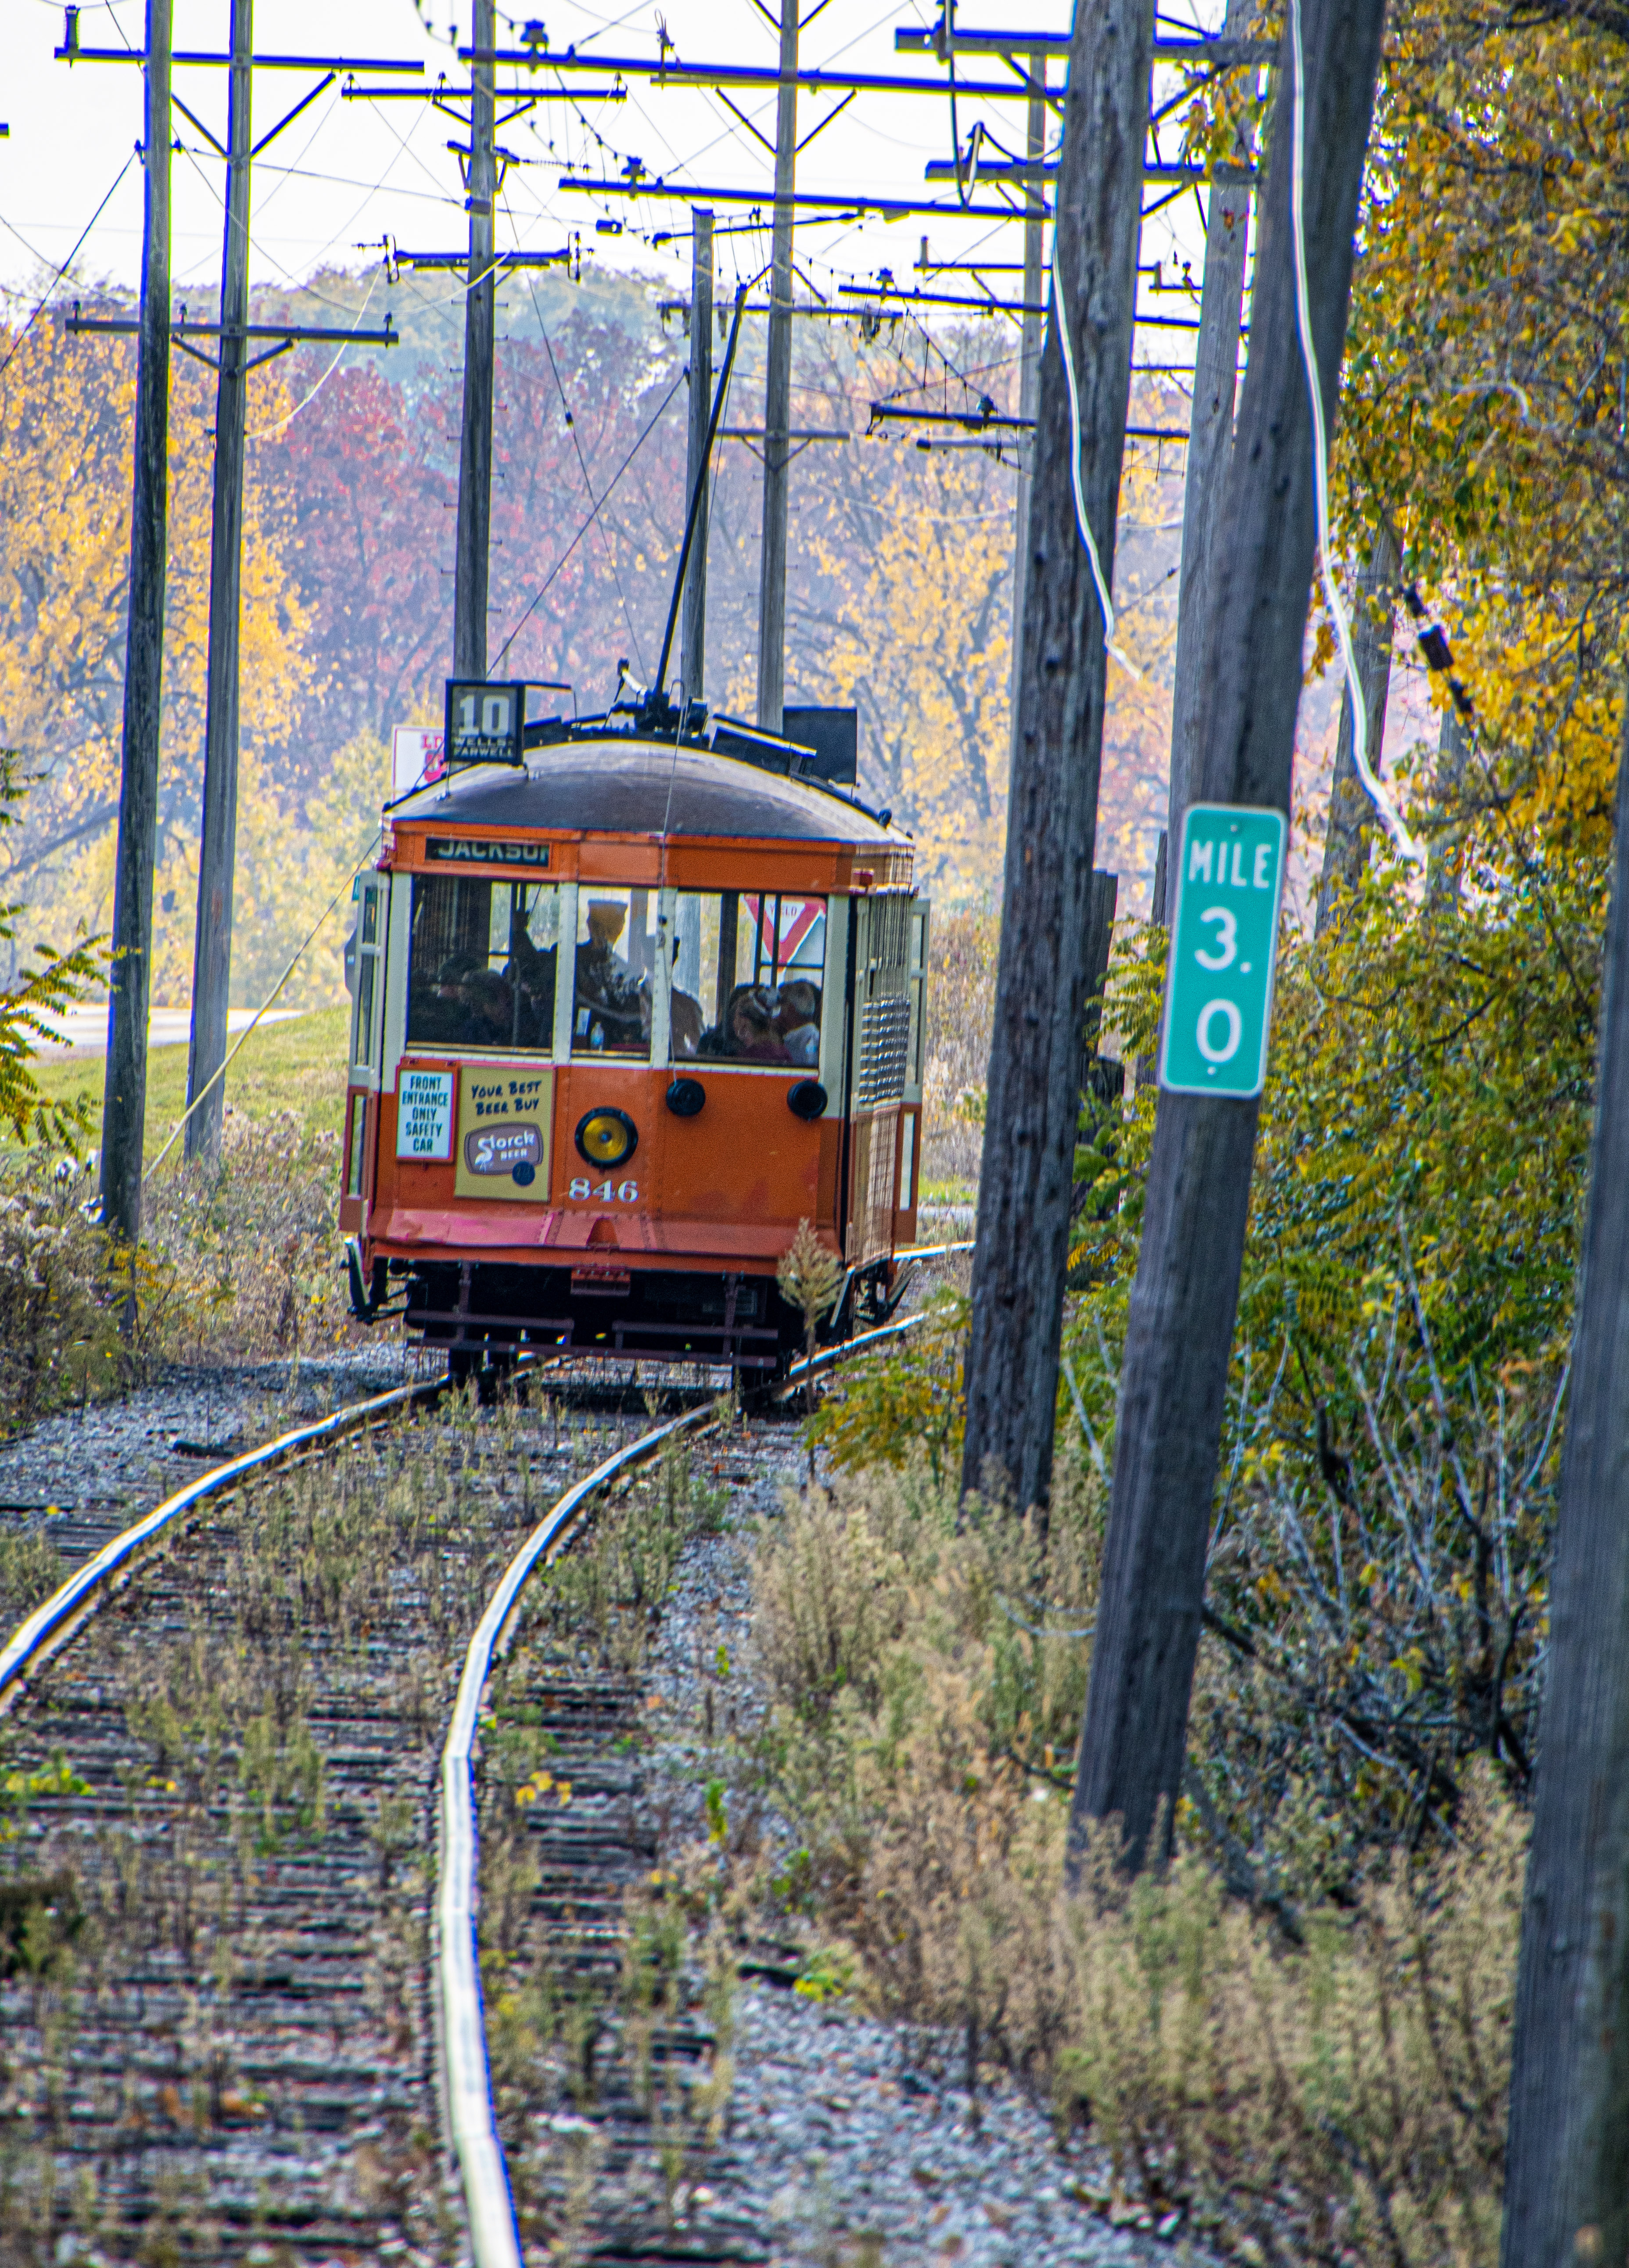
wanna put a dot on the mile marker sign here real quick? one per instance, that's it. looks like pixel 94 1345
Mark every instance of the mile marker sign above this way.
pixel 1223 942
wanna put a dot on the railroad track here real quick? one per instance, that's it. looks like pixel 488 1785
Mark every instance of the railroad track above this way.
pixel 228 2028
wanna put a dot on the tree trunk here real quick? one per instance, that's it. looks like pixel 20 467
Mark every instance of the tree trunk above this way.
pixel 1567 2184
pixel 1352 814
pixel 1184 1302
pixel 1035 1057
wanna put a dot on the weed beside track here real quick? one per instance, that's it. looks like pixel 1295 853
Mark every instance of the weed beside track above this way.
pixel 216 1846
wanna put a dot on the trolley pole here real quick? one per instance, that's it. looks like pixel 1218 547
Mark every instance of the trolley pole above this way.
pixel 475 461
pixel 778 393
pixel 693 621
pixel 211 952
pixel 124 1103
pixel 1028 355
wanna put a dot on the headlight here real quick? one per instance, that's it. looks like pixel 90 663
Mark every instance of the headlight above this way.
pixel 606 1138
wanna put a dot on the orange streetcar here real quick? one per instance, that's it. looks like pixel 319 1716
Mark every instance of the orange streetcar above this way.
pixel 632 998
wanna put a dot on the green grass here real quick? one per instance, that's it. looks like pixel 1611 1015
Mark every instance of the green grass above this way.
pixel 295 1066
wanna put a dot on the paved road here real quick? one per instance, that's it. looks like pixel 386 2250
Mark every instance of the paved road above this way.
pixel 84 1031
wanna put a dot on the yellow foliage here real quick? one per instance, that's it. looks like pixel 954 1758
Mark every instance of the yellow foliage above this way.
pixel 67 407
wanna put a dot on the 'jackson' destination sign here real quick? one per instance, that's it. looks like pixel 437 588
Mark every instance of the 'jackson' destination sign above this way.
pixel 458 849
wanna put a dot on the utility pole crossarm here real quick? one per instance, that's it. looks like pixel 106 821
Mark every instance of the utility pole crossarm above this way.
pixel 723 75
pixel 1224 53
pixel 855 207
pixel 293 333
pixel 394 65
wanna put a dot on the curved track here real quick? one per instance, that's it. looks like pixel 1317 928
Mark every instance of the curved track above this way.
pixel 240 2055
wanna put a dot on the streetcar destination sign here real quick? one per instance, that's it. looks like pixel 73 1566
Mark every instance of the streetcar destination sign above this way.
pixel 1224 945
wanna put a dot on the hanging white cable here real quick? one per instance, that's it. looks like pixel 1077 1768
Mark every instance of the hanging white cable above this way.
pixel 1061 315
pixel 260 433
pixel 1381 799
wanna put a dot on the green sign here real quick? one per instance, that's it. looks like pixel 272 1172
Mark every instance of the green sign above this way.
pixel 1224 941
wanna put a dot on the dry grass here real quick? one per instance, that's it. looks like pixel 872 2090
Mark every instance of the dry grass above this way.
pixel 1336 2098
pixel 242 1260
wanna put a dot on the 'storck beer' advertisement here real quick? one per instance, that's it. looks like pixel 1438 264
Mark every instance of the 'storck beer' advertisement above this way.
pixel 503 1115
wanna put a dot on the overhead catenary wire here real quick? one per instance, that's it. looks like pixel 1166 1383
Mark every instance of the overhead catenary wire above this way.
pixel 571 422
pixel 656 418
pixel 268 1003
pixel 260 433
pixel 45 299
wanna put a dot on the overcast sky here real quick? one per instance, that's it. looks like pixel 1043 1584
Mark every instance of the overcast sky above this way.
pixel 348 172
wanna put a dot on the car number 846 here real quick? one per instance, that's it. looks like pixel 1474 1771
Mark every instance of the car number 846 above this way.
pixel 608 1192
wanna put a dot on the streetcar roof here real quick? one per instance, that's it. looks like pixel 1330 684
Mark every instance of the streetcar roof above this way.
pixel 618 785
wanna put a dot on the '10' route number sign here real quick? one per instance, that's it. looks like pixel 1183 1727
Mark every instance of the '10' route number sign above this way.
pixel 1223 942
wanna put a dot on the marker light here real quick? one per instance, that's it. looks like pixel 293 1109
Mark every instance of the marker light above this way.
pixel 606 1138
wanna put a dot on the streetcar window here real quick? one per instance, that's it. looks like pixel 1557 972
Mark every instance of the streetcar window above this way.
pixel 747 969
pixel 362 974
pixel 617 956
pixel 480 970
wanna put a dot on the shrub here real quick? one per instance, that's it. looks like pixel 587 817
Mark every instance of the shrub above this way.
pixel 1334 2094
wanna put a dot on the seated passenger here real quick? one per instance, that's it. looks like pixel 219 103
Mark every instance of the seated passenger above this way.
pixel 747 1033
pixel 612 1006
pixel 437 1013
pixel 797 1019
pixel 489 1010
pixel 685 1022
pixel 531 972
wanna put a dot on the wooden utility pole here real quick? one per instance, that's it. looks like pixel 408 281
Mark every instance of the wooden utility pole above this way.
pixel 693 621
pixel 1210 448
pixel 777 393
pixel 1034 1060
pixel 124 1101
pixel 474 456
pixel 211 951
pixel 1180 1327
pixel 1352 814
pixel 1029 353
pixel 1566 2178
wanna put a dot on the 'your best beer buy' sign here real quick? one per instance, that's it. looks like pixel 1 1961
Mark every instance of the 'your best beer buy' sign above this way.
pixel 1224 944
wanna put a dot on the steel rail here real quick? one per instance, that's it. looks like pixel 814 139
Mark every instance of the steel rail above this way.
pixel 51 1625
pixel 488 2202
pixel 466 2079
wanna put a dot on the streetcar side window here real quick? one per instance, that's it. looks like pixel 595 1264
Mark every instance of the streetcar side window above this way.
pixel 481 964
pixel 365 943
pixel 617 955
pixel 747 971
